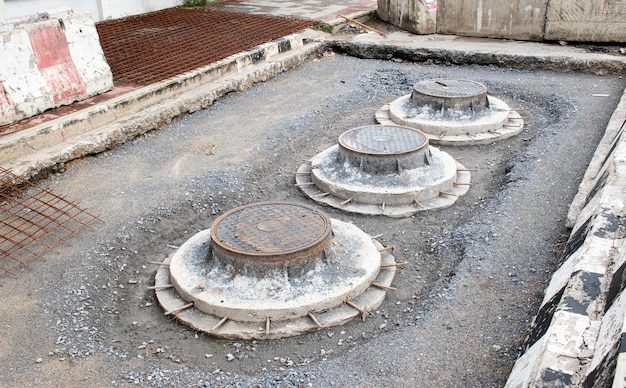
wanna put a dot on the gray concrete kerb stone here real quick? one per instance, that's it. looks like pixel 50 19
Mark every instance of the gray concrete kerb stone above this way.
pixel 578 331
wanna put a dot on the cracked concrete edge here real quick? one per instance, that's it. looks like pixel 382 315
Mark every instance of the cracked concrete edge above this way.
pixel 456 50
pixel 577 331
pixel 598 164
pixel 37 150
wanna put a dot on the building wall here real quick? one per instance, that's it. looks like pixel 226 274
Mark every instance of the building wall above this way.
pixel 98 9
pixel 586 20
pixel 410 15
pixel 513 19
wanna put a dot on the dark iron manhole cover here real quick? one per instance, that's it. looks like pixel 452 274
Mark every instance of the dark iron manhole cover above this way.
pixel 384 149
pixel 448 93
pixel 264 237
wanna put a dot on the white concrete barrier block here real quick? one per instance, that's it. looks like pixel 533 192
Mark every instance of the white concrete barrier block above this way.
pixel 54 61
pixel 610 333
pixel 567 337
pixel 84 45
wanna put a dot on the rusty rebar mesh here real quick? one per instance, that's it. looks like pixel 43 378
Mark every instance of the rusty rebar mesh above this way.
pixel 156 46
pixel 33 221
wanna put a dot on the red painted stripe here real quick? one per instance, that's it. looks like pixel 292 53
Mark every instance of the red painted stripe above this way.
pixel 4 95
pixel 5 105
pixel 56 65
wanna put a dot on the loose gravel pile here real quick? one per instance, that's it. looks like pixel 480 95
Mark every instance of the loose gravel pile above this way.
pixel 474 276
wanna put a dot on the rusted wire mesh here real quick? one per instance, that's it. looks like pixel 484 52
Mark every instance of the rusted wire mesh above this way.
pixel 33 221
pixel 155 46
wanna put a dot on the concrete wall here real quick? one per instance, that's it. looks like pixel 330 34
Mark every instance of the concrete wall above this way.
pixel 98 9
pixel 26 8
pixel 410 15
pixel 114 9
pixel 512 19
pixel 586 20
pixel 55 61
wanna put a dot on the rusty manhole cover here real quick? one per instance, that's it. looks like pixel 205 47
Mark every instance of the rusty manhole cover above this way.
pixel 384 149
pixel 449 93
pixel 255 238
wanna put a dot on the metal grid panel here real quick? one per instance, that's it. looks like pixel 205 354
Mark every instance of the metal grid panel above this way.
pixel 33 221
pixel 156 46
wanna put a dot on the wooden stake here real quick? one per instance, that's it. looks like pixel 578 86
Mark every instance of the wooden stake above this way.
pixel 364 313
pixel 389 248
pixel 267 326
pixel 377 236
pixel 377 285
pixel 382 206
pixel 179 309
pixel 220 323
pixel 347 201
pixel 159 263
pixel 307 161
pixel 163 287
pixel 460 157
pixel 467 169
pixel 320 195
pixel 418 204
pixel 442 135
pixel 445 193
pixel 462 184
pixel 172 246
pixel 310 314
pixel 393 265
pixel 361 24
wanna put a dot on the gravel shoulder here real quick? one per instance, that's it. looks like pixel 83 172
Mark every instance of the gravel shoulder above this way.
pixel 475 273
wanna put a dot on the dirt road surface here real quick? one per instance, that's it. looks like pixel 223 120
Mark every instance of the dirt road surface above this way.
pixel 475 273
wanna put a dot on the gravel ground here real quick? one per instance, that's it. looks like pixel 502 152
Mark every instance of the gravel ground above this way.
pixel 475 274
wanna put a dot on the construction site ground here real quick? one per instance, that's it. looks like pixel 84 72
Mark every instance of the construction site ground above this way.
pixel 474 276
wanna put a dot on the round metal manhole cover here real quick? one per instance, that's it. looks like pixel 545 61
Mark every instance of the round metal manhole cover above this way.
pixel 450 88
pixel 382 139
pixel 269 231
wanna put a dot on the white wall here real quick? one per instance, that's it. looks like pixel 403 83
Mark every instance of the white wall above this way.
pixel 17 8
pixel 114 9
pixel 99 9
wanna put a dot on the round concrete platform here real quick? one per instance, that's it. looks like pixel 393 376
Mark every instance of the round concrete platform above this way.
pixel 496 123
pixel 435 185
pixel 245 307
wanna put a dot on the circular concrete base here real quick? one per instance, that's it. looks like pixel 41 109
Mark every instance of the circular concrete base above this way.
pixel 250 308
pixel 496 123
pixel 342 186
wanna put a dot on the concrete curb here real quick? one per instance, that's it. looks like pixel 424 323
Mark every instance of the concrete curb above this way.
pixel 455 50
pixel 100 127
pixel 576 336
